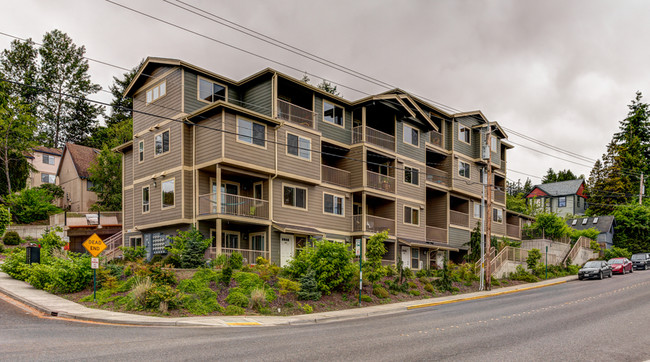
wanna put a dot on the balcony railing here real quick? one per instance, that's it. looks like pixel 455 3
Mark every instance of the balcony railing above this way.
pixel 437 176
pixel 335 176
pixel 458 218
pixel 500 196
pixel 87 219
pixel 250 256
pixel 436 234
pixel 512 231
pixel 375 137
pixel 381 182
pixel 233 205
pixel 293 113
pixel 435 138
pixel 376 224
pixel 357 223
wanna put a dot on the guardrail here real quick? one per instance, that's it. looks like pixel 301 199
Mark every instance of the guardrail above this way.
pixel 87 219
pixel 293 113
pixel 436 234
pixel 582 242
pixel 233 205
pixel 435 138
pixel 335 176
pixel 375 137
pixel 458 218
pixel 437 176
pixel 381 182
pixel 376 224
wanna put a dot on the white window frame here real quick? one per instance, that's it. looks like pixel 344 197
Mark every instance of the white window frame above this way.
pixel 300 148
pixel 248 140
pixel 342 125
pixel 49 177
pixel 480 210
pixel 495 213
pixel 411 208
pixel 148 204
pixel 162 194
pixel 460 163
pixel 294 197
pixel 417 139
pixel 132 243
pixel 198 90
pixel 334 198
pixel 468 131
pixel 412 170
pixel 417 258
pixel 48 158
pixel 561 199
pixel 162 140
pixel 156 92
pixel 141 151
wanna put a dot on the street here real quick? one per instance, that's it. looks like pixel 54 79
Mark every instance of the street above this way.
pixel 594 320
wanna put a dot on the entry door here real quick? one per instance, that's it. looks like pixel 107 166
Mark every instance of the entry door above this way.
pixel 229 204
pixel 230 240
pixel 406 256
pixel 287 246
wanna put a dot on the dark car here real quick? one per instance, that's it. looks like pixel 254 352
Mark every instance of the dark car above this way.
pixel 641 260
pixel 621 265
pixel 595 269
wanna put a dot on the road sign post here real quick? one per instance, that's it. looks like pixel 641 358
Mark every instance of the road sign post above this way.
pixel 95 245
pixel 358 253
pixel 546 262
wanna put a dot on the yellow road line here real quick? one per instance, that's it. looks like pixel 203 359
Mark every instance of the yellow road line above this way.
pixel 244 324
pixel 482 296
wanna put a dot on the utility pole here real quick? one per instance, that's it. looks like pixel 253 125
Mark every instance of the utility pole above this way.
pixel 641 190
pixel 488 210
pixel 481 285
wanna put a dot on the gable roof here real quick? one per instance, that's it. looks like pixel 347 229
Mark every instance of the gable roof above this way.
pixel 603 224
pixel 82 157
pixel 562 188
pixel 43 149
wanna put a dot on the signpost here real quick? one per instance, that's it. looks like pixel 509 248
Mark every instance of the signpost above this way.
pixel 95 245
pixel 357 251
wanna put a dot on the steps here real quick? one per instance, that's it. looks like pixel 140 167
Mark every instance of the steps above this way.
pixel 113 243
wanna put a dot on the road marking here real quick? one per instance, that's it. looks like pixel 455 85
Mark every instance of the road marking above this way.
pixel 244 324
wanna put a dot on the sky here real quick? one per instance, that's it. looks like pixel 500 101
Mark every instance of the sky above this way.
pixel 561 72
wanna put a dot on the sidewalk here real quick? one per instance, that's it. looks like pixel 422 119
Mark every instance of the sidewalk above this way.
pixel 53 305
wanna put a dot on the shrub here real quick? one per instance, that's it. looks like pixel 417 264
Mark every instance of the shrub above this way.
pixel 139 290
pixel 408 273
pixel 306 308
pixel 70 275
pixel 15 265
pixel 40 276
pixel 161 298
pixel 5 219
pixel 133 254
pixel 429 288
pixel 55 191
pixel 551 225
pixel 534 256
pixel 495 282
pixel 593 244
pixel 423 273
pixel 157 274
pixel 172 260
pixel 199 299
pixel 616 252
pixel 414 292
pixel 190 247
pixel 51 241
pixel 396 287
pixel 330 262
pixel 2 248
pixel 31 205
pixel 286 286
pixel 366 298
pixel 238 299
pixel 380 292
pixel 234 310
pixel 11 238
pixel 375 250
pixel 521 274
pixel 220 261
pixel 412 285
pixel 261 261
pixel 390 270
pixel 236 260
pixel 444 282
pixel 226 275
pixel 308 287
pixel 258 298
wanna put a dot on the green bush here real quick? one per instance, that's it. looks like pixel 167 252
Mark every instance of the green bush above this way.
pixel 55 191
pixel 133 254
pixel 414 292
pixel 551 225
pixel 236 260
pixel 394 286
pixel 31 205
pixel 330 262
pixel 616 252
pixel 226 275
pixel 157 274
pixel 15 265
pixel 412 285
pixel 40 276
pixel 380 292
pixel 390 271
pixel 534 256
pixel 308 287
pixel 5 219
pixel 444 282
pixel 429 288
pixel 495 282
pixel 522 275
pixel 238 299
pixel 172 260
pixel 261 261
pixel 161 298
pixel 198 298
pixel 306 308
pixel 408 273
pixel 366 298
pixel 190 247
pixel 375 250
pixel 50 241
pixel 423 273
pixel 234 310
pixel 71 275
pixel 11 238
pixel 287 286
pixel 258 298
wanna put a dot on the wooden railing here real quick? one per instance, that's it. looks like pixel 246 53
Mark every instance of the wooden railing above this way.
pixel 508 253
pixel 112 250
pixel 512 231
pixel 436 234
pixel 250 256
pixel 381 182
pixel 582 242
pixel 437 176
pixel 458 218
pixel 85 219
pixel 435 138
pixel 233 205
pixel 376 224
pixel 335 176
pixel 293 113
pixel 357 223
pixel 375 137
pixel 499 196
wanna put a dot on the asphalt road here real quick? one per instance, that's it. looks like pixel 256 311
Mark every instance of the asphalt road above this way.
pixel 595 320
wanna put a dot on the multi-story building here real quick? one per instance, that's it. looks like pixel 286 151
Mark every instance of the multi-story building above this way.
pixel 44 162
pixel 73 177
pixel 563 198
pixel 264 164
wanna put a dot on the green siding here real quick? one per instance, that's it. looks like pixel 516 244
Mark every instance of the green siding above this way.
pixel 275 247
pixel 336 133
pixel 419 153
pixel 192 103
pixel 457 238
pixel 258 97
pixel 470 150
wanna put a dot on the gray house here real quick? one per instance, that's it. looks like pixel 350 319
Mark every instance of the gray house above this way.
pixel 562 198
pixel 604 224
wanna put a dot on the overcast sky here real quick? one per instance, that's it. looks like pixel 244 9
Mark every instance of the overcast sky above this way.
pixel 562 72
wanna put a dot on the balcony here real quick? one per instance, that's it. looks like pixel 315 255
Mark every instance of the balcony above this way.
pixel 249 255
pixel 233 205
pixel 458 218
pixel 436 176
pixel 292 113
pixel 374 137
pixel 513 231
pixel 435 138
pixel 374 224
pixel 436 234
pixel 335 176
pixel 381 182
pixel 499 196
pixel 87 219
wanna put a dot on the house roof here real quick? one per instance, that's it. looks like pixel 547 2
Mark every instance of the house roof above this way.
pixel 43 149
pixel 562 188
pixel 603 223
pixel 82 157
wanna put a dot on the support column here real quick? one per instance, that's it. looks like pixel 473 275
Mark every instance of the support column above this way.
pixel 219 240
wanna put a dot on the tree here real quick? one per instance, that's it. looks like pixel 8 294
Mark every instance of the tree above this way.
pixel 474 244
pixel 632 230
pixel 106 176
pixel 562 175
pixel 328 87
pixel 550 226
pixel 606 187
pixel 517 203
pixel 31 205
pixel 375 250
pixel 121 107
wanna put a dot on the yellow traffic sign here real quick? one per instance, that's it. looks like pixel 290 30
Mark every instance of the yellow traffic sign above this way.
pixel 94 244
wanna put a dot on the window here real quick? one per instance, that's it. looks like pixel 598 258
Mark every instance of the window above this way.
pixel 257 242
pixel 478 210
pixel 578 200
pixel 411 135
pixel 482 175
pixel 464 134
pixel 411 175
pixel 332 114
pixel 167 194
pixel 89 185
pixel 141 151
pixel 493 144
pixel 48 178
pixel 156 92
pixel 48 159
pixel 145 199
pixel 162 142
pixel 295 197
pixel 210 91
pixel 596 220
pixel 299 146
pixel 257 191
pixel 584 222
pixel 561 202
pixel 333 204
pixel 463 169
pixel 411 215
pixel 230 240
pixel 415 256
pixel 135 242
pixel 574 222
pixel 497 215
pixel 251 132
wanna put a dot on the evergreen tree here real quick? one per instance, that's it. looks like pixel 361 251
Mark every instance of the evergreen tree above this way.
pixel 562 175
pixel 121 107
pixel 328 87
pixel 106 176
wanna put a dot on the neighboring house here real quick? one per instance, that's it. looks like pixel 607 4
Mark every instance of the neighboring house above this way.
pixel 44 161
pixel 604 224
pixel 264 164
pixel 73 177
pixel 562 198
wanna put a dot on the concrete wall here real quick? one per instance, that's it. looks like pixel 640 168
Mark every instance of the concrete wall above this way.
pixel 32 231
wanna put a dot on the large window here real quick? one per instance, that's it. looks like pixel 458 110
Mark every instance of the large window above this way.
pixel 210 91
pixel 332 114
pixel 415 258
pixel 251 132
pixel 561 201
pixel 156 92
pixel 497 215
pixel 411 215
pixel 464 134
pixel 257 242
pixel 295 197
pixel 141 151
pixel 463 169
pixel 411 135
pixel 493 144
pixel 299 146
pixel 478 210
pixel 89 185
pixel 145 199
pixel 333 204
pixel 230 239
pixel 411 175
pixel 162 142
pixel 48 178
pixel 167 194
pixel 48 159
pixel 135 241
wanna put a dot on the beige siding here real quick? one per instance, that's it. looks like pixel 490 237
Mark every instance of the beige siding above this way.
pixel 407 230
pixel 208 140
pixel 187 145
pixel 147 115
pixel 156 214
pixel 293 164
pixel 40 168
pixel 127 218
pixel 355 168
pixel 437 211
pixel 473 185
pixel 188 188
pixel 247 153
pixel 155 164
pixel 404 189
pixel 329 221
pixel 128 167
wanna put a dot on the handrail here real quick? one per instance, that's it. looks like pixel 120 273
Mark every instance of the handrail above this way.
pixel 435 138
pixel 296 114
pixel 233 205
pixel 458 218
pixel 381 182
pixel 582 242
pixel 378 224
pixel 335 176
pixel 434 233
pixel 374 136
pixel 437 176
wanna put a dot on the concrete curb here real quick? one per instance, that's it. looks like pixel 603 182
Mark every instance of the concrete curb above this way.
pixel 54 306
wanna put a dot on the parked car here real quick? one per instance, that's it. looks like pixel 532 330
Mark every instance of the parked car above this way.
pixel 621 265
pixel 595 269
pixel 641 260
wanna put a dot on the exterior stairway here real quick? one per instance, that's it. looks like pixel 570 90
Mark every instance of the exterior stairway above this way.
pixel 112 251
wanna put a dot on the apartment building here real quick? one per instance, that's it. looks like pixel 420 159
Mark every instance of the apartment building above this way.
pixel 264 164
pixel 44 162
